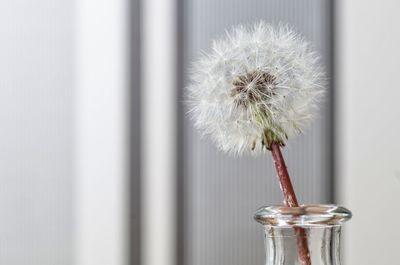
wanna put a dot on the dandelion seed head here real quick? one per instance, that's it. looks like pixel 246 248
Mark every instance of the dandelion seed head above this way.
pixel 257 85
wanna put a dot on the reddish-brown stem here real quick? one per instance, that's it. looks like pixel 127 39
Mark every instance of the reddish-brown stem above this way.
pixel 290 200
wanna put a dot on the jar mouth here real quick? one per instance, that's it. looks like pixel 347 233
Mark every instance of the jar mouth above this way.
pixel 304 215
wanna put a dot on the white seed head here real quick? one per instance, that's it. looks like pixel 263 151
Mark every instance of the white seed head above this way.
pixel 257 85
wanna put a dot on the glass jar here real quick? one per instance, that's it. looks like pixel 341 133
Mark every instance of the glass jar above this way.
pixel 305 235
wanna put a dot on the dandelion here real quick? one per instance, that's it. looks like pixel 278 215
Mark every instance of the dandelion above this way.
pixel 257 88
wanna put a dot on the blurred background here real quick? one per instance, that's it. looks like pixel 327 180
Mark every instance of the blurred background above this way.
pixel 100 165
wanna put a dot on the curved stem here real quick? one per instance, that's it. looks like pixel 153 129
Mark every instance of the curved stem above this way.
pixel 290 200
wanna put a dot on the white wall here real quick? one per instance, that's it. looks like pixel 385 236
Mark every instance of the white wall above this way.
pixel 369 129
pixel 64 92
pixel 158 129
pixel 102 132
pixel 36 132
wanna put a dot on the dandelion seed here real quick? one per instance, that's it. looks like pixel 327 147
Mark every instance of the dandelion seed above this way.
pixel 258 85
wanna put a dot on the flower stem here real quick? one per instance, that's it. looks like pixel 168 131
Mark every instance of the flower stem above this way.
pixel 290 200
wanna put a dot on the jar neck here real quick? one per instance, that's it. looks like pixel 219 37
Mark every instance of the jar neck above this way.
pixel 323 242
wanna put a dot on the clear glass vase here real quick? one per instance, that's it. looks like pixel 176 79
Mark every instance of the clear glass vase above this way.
pixel 305 235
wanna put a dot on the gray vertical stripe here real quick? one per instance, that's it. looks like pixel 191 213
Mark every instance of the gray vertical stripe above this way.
pixel 135 150
pixel 221 193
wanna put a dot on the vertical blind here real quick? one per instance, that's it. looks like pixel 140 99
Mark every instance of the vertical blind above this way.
pixel 219 193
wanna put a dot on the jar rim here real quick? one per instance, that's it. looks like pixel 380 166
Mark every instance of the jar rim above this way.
pixel 304 215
